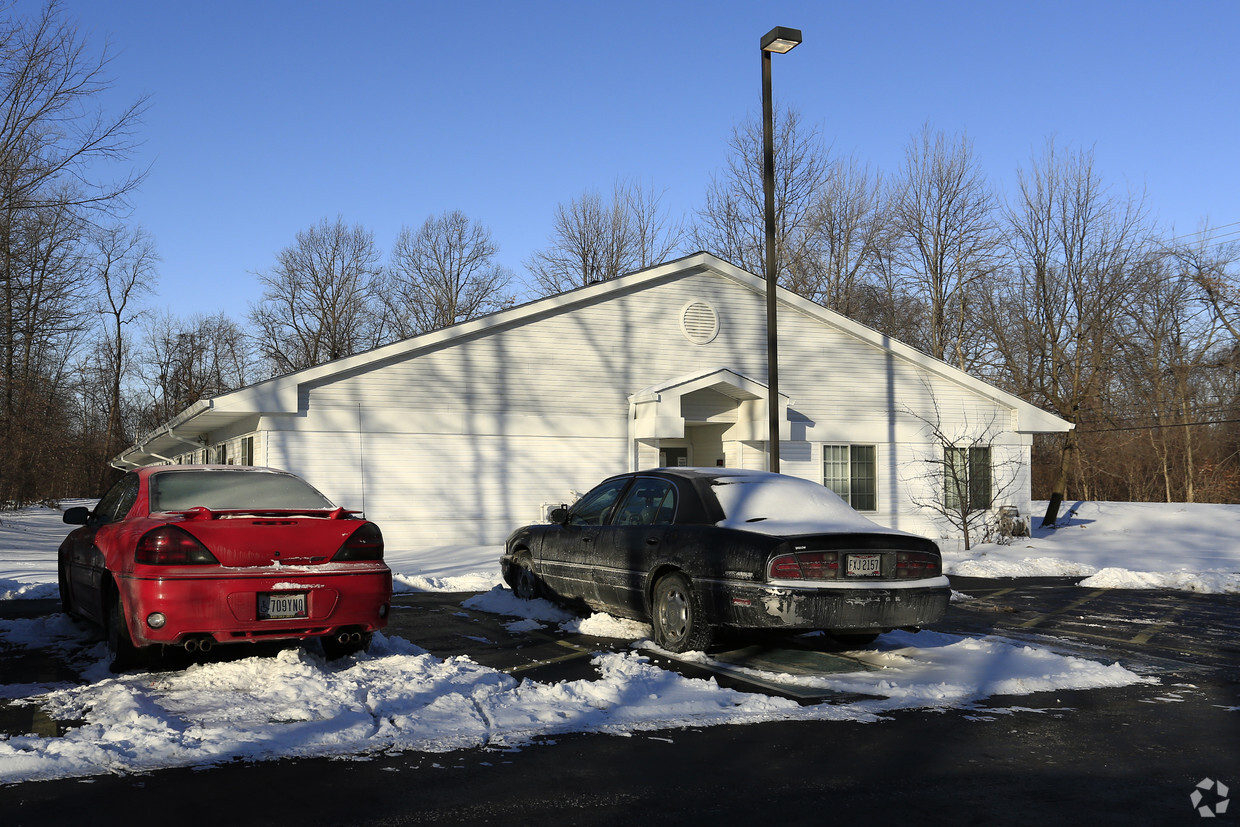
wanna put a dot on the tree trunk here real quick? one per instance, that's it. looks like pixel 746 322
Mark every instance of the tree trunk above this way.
pixel 1061 480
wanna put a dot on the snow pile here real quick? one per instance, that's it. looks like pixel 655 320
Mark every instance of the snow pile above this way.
pixel 1188 546
pixel 398 697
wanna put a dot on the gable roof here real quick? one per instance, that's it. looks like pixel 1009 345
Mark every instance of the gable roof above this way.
pixel 279 395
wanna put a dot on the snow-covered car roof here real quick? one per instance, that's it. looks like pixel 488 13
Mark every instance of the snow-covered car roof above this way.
pixel 778 504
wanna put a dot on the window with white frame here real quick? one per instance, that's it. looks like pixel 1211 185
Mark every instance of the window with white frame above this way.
pixel 852 472
pixel 966 478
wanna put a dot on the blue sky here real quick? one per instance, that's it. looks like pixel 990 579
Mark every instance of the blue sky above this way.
pixel 267 117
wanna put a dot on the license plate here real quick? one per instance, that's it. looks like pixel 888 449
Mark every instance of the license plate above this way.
pixel 277 605
pixel 865 565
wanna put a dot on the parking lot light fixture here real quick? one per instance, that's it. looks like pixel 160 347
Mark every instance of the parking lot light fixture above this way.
pixel 780 39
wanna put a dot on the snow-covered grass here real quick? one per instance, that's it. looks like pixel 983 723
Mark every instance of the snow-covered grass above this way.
pixel 1188 546
pixel 400 697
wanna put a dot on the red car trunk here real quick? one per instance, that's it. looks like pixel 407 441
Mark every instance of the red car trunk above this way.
pixel 245 541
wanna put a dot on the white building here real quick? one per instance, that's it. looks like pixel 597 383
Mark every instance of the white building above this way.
pixel 460 435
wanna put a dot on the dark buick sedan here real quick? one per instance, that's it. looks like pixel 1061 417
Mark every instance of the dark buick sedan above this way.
pixel 691 550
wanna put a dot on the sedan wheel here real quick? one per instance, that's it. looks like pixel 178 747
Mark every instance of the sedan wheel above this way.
pixel 524 582
pixel 120 644
pixel 62 584
pixel 678 620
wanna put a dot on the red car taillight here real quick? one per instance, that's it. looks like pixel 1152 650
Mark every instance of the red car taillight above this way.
pixel 804 565
pixel 364 544
pixel 911 565
pixel 171 546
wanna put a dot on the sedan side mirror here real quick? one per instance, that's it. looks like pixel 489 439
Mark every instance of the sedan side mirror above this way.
pixel 559 516
pixel 78 515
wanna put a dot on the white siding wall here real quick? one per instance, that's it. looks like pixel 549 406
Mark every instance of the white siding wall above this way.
pixel 466 442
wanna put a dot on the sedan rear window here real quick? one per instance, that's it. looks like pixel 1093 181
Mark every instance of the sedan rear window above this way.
pixel 233 490
pixel 784 505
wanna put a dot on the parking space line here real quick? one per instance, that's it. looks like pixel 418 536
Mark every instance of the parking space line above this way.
pixel 1155 628
pixel 995 593
pixel 578 652
pixel 1074 604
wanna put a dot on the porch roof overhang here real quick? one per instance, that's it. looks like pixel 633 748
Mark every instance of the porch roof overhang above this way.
pixel 183 432
pixel 658 414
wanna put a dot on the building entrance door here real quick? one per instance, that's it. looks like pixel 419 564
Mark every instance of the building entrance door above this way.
pixel 673 457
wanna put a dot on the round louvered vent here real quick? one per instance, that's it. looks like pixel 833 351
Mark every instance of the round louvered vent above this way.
pixel 699 322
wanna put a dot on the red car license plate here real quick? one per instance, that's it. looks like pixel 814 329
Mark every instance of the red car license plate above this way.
pixel 865 565
pixel 278 605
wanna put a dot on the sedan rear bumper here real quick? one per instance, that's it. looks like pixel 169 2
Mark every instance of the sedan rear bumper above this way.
pixel 876 607
pixel 224 605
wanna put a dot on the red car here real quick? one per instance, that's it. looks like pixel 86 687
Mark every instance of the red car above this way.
pixel 197 555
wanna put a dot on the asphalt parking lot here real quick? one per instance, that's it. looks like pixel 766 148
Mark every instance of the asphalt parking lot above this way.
pixel 1151 632
pixel 1107 756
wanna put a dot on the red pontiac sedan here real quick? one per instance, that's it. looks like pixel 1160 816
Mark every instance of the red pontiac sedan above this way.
pixel 197 555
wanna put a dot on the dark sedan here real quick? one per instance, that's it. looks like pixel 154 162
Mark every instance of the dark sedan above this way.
pixel 693 550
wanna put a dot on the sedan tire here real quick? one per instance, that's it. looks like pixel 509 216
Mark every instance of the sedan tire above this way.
pixel 525 583
pixel 677 616
pixel 62 585
pixel 120 644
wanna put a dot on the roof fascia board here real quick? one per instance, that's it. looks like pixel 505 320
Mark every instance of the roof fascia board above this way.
pixel 1032 419
pixel 279 394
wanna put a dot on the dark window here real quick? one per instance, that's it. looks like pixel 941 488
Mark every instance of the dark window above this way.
pixel 852 472
pixel 235 490
pixel 595 507
pixel 966 478
pixel 650 502
pixel 119 499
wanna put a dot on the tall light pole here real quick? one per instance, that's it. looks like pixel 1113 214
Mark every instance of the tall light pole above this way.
pixel 779 39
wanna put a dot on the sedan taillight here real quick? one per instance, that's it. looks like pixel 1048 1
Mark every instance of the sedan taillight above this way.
pixel 804 565
pixel 912 565
pixel 172 546
pixel 364 544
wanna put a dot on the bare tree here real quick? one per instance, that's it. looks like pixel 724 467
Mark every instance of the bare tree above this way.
pixel 655 235
pixel 443 274
pixel 846 237
pixel 124 268
pixel 1078 255
pixel 731 223
pixel 596 240
pixel 56 142
pixel 319 301
pixel 1213 269
pixel 188 360
pixel 965 473
pixel 944 213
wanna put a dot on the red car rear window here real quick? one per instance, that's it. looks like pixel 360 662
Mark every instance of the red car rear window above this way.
pixel 224 490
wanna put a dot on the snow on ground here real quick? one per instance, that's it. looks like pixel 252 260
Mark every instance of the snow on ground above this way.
pixel 399 697
pixel 1187 546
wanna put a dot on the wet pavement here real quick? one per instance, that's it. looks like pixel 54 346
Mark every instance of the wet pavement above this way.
pixel 1150 632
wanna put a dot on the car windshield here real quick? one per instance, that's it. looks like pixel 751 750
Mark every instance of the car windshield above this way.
pixel 233 490
pixel 773 504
